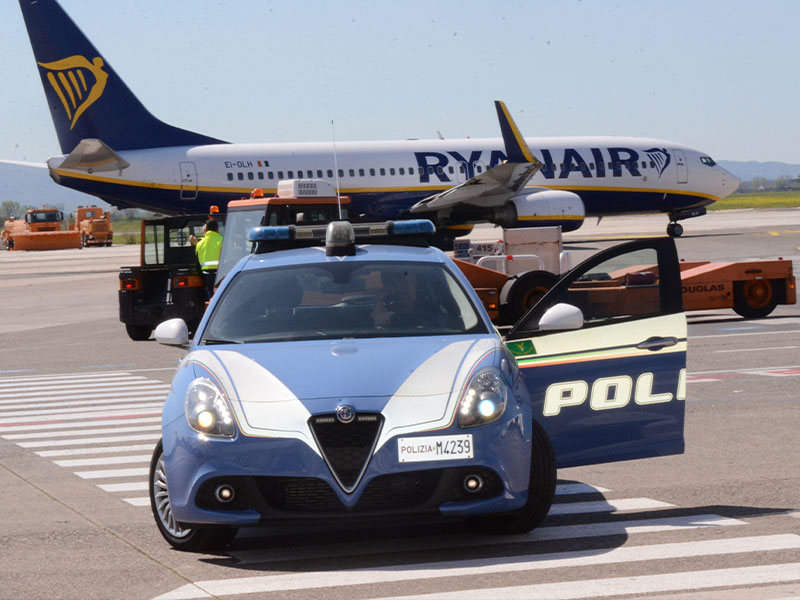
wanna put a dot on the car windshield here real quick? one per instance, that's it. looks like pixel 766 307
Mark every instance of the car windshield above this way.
pixel 338 300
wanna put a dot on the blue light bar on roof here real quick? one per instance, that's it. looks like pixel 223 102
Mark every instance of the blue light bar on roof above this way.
pixel 269 234
pixel 412 227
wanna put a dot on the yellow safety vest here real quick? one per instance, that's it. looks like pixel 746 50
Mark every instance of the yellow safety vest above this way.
pixel 208 250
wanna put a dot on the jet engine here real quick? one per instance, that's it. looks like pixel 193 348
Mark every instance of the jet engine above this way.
pixel 540 208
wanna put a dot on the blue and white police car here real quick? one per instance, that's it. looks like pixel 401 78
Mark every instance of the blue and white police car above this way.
pixel 351 372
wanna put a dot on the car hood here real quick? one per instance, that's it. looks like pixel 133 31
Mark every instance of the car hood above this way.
pixel 276 387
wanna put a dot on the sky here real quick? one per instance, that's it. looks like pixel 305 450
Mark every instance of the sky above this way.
pixel 719 76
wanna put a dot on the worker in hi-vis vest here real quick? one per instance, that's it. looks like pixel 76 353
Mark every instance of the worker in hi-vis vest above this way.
pixel 208 249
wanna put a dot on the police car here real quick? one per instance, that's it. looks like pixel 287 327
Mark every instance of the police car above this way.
pixel 350 371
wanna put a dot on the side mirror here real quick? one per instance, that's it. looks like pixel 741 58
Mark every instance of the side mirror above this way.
pixel 173 332
pixel 558 317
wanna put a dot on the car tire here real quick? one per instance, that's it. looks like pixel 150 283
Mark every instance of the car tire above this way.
pixel 755 298
pixel 138 333
pixel 522 292
pixel 541 489
pixel 190 539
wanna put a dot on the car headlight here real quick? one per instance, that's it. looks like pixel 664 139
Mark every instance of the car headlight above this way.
pixel 484 400
pixel 207 410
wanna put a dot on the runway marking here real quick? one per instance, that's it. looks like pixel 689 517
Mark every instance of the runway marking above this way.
pixel 8 424
pixel 144 391
pixel 74 381
pixel 111 473
pixel 144 501
pixel 756 349
pixel 562 532
pixel 565 489
pixel 86 432
pixel 106 460
pixel 155 418
pixel 73 411
pixel 102 450
pixel 58 393
pixel 138 486
pixel 623 586
pixel 721 335
pixel 575 508
pixel 475 568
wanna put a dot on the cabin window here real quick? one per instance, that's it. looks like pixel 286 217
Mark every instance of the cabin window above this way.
pixel 402 171
pixel 240 176
pixel 280 174
pixel 230 176
pixel 361 172
pixel 461 168
pixel 372 172
pixel 451 170
pixel 391 170
pixel 270 175
pixel 652 164
pixel 644 164
pixel 330 173
pixel 351 172
pixel 250 175
pixel 479 168
pixel 421 170
pixel 430 170
pixel 261 175
pixel 383 171
pixel 319 173
pixel 591 166
pixel 611 166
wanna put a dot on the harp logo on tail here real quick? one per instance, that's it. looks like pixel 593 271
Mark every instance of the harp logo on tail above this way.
pixel 70 79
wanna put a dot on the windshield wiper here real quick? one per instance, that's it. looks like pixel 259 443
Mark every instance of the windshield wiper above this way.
pixel 213 342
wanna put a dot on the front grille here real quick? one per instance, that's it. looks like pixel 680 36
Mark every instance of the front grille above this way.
pixel 298 494
pixel 399 490
pixel 346 447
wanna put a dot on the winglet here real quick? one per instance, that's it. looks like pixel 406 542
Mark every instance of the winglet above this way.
pixel 517 150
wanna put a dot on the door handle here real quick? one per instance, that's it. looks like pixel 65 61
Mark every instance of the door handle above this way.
pixel 657 343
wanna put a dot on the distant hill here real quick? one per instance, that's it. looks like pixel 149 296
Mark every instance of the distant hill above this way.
pixel 32 186
pixel 746 170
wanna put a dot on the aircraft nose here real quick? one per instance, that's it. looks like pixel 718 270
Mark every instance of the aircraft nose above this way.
pixel 728 181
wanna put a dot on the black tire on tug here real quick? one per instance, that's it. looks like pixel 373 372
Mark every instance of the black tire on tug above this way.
pixel 138 333
pixel 523 292
pixel 755 298
pixel 191 539
pixel 541 489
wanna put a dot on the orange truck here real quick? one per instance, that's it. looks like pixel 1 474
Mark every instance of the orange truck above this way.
pixel 39 229
pixel 94 226
pixel 510 276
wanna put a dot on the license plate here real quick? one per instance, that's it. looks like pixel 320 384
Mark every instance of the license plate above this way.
pixel 439 447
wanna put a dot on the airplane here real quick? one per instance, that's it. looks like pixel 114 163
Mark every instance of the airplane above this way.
pixel 113 148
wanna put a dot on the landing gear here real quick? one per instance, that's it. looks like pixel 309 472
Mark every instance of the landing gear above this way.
pixel 674 230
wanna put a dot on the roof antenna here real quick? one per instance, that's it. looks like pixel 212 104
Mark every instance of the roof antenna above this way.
pixel 336 167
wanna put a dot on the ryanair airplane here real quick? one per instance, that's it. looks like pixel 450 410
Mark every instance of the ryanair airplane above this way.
pixel 113 148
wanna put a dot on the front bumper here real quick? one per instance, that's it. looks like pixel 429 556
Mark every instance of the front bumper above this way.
pixel 278 479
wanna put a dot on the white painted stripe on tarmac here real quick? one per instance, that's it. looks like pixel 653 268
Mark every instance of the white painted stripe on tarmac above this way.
pixel 16 397
pixel 64 383
pixel 103 414
pixel 110 473
pixel 566 489
pixel 145 390
pixel 138 501
pixel 95 423
pixel 112 400
pixel 755 349
pixel 57 390
pixel 24 378
pixel 7 416
pixel 793 332
pixel 79 432
pixel 564 532
pixel 94 450
pixel 623 586
pixel 137 486
pixel 576 508
pixel 476 568
pixel 109 439
pixel 105 460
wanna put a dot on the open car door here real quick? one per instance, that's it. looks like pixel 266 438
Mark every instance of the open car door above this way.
pixel 603 354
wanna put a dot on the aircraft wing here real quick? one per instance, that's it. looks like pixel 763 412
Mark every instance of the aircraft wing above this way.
pixel 497 185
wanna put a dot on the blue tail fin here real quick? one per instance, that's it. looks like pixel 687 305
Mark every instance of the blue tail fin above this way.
pixel 87 99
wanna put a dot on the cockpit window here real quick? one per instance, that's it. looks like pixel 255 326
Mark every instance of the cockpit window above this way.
pixel 708 161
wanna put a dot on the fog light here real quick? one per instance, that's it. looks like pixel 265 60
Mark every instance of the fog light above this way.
pixel 224 493
pixel 473 484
